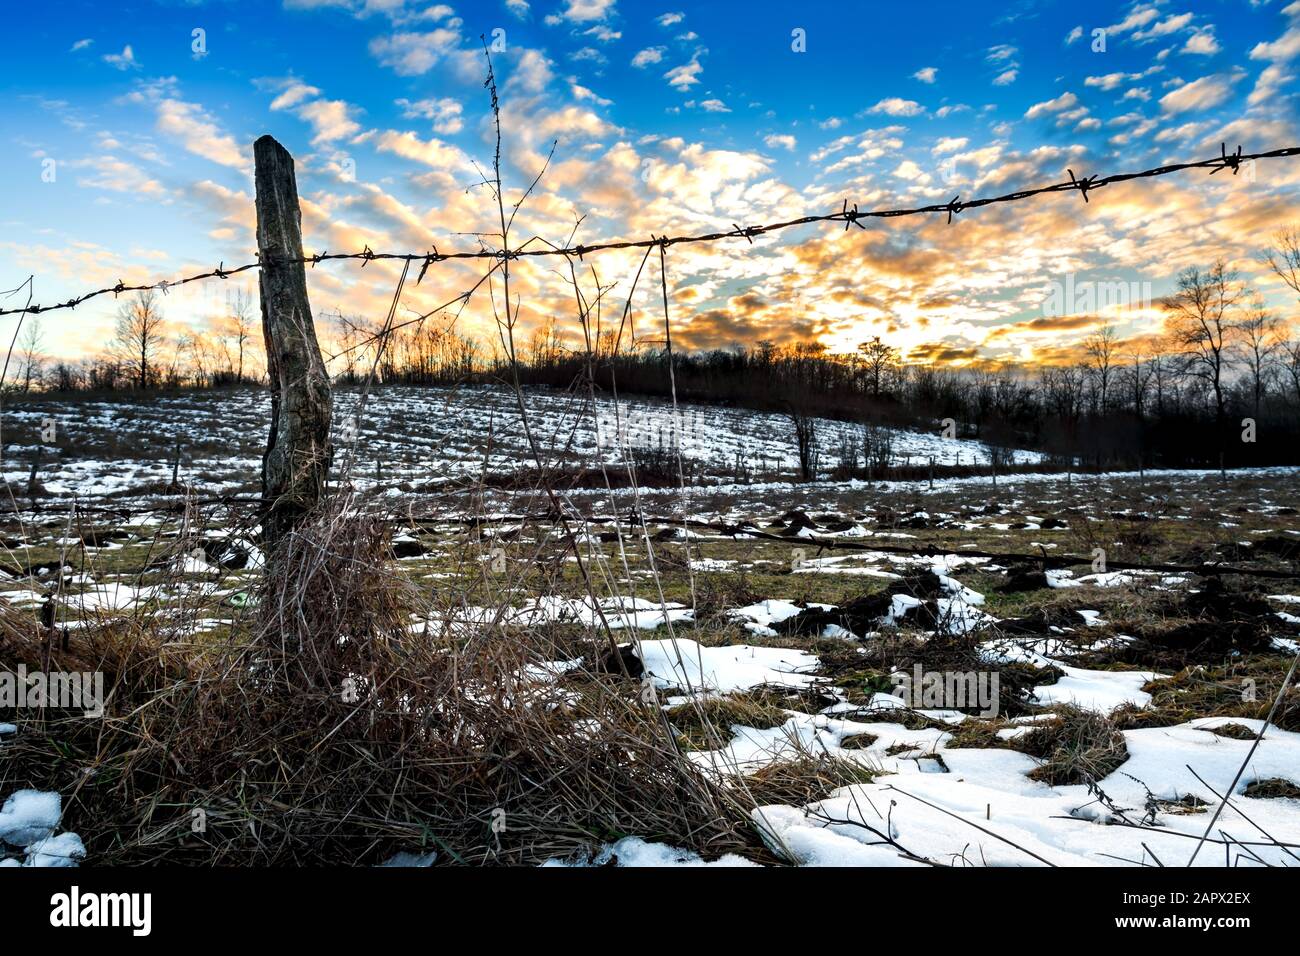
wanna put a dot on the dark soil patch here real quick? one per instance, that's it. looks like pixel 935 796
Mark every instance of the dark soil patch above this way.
pixel 1217 623
pixel 1272 789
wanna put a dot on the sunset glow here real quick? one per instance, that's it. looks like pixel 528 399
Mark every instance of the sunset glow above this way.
pixel 130 158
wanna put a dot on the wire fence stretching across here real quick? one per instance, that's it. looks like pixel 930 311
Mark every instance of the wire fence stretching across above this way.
pixel 848 215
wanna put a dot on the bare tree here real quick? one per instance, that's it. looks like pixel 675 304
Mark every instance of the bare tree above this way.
pixel 1283 257
pixel 1291 364
pixel 805 434
pixel 1100 347
pixel 1138 380
pixel 241 319
pixel 1203 323
pixel 880 360
pixel 31 353
pixel 1259 333
pixel 139 337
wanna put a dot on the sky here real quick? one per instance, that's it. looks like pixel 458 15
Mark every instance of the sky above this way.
pixel 128 131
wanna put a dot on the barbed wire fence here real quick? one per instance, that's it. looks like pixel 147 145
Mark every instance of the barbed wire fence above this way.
pixel 848 215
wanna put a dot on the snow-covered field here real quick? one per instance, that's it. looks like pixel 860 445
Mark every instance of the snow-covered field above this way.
pixel 709 611
pixel 413 435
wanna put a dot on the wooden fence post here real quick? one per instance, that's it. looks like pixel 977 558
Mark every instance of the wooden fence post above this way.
pixel 298 452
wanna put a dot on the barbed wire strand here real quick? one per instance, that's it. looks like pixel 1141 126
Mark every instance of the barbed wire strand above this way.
pixel 850 216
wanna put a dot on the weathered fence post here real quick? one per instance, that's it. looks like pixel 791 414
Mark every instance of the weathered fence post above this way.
pixel 297 459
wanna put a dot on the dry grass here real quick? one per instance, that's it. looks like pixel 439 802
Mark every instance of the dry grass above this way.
pixel 1076 746
pixel 705 725
pixel 1245 688
pixel 336 732
pixel 1272 789
pixel 804 780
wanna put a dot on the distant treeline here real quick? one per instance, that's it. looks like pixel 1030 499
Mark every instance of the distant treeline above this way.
pixel 1222 384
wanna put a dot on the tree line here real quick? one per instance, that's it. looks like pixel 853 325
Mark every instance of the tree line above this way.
pixel 145 353
pixel 1220 384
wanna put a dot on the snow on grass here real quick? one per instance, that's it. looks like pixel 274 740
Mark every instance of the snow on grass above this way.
pixel 1063 578
pixel 1096 690
pixel 619 613
pixel 759 618
pixel 686 665
pixel 1026 823
pixel 125 446
pixel 1101 691
pixel 751 749
pixel 63 850
pixel 28 820
pixel 28 816
pixel 633 851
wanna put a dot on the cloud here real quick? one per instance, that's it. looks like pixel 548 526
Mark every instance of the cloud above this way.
pixel 111 173
pixel 912 172
pixel 80 45
pixel 581 92
pixel 1003 57
pixel 532 72
pixel 1271 80
pixel 1062 102
pixel 949 144
pixel 669 19
pixel 685 76
pixel 1138 17
pixel 651 54
pixel 444 113
pixel 1165 27
pixel 294 93
pixel 433 152
pixel 518 7
pixel 330 119
pixel 1202 94
pixel 1074 35
pixel 714 106
pixel 414 54
pixel 1284 48
pixel 871 145
pixel 123 61
pixel 925 74
pixel 780 141
pixel 200 134
pixel 1107 82
pixel 896 106
pixel 1202 44
pixel 582 11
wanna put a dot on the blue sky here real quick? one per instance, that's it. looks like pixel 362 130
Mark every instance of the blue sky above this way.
pixel 669 117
